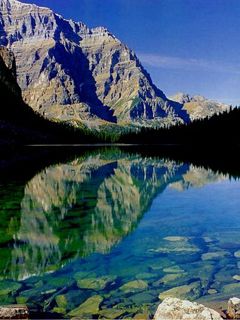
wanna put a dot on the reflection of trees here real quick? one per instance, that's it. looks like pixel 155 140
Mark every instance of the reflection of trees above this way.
pixel 85 206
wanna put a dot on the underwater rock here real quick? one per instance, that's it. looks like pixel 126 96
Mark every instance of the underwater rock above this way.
pixel 134 285
pixel 203 271
pixel 59 310
pixel 111 313
pixel 61 301
pixel 173 269
pixel 14 312
pixel 176 309
pixel 191 291
pixel 59 282
pixel 141 298
pixel 141 316
pixel 208 239
pixel 161 263
pixel 225 276
pixel 176 238
pixel 94 283
pixel 170 277
pixel 231 288
pixel 214 255
pixel 176 245
pixel 7 287
pixel 84 274
pixel 212 291
pixel 145 275
pixel 21 300
pixel 88 307
pixel 233 310
pixel 237 254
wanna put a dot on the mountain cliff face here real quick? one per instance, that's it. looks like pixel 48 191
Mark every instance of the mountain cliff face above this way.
pixel 72 73
pixel 199 107
pixel 68 72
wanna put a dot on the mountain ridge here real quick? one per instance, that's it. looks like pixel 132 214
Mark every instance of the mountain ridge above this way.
pixel 199 107
pixel 85 77
pixel 106 78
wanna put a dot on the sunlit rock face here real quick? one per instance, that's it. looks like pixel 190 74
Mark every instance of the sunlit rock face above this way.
pixel 199 107
pixel 72 73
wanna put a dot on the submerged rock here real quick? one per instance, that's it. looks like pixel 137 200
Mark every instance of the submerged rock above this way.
pixel 61 301
pixel 231 288
pixel 134 286
pixel 7 287
pixel 169 278
pixel 176 309
pixel 177 245
pixel 191 291
pixel 234 308
pixel 176 238
pixel 111 313
pixel 94 283
pixel 237 254
pixel 141 316
pixel 214 255
pixel 88 307
pixel 173 269
pixel 236 277
pixel 212 291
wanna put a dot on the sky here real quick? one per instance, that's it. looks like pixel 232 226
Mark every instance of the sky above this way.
pixel 189 46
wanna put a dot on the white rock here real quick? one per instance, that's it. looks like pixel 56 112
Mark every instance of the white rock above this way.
pixel 234 308
pixel 14 312
pixel 176 309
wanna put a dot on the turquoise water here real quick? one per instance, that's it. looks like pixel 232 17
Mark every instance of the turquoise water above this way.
pixel 109 235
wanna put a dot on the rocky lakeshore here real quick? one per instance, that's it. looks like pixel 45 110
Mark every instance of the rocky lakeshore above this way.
pixel 169 309
pixel 176 309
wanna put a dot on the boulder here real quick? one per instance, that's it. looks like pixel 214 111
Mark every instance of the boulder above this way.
pixel 14 312
pixel 176 309
pixel 234 308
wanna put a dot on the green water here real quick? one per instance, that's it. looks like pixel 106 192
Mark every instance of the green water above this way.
pixel 104 234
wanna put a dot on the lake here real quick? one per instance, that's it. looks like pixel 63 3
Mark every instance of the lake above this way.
pixel 107 233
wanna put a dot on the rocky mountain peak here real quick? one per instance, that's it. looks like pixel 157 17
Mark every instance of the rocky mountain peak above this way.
pixel 198 107
pixel 181 97
pixel 69 72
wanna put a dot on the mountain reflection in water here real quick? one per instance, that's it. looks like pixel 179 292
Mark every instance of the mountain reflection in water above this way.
pixel 88 205
pixel 120 229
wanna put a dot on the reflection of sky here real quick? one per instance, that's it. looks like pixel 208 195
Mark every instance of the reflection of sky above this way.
pixel 209 208
pixel 189 46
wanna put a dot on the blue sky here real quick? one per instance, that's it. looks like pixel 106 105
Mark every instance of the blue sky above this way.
pixel 190 46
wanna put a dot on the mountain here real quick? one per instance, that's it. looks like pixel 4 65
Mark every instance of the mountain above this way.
pixel 20 124
pixel 86 77
pixel 199 107
pixel 69 72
